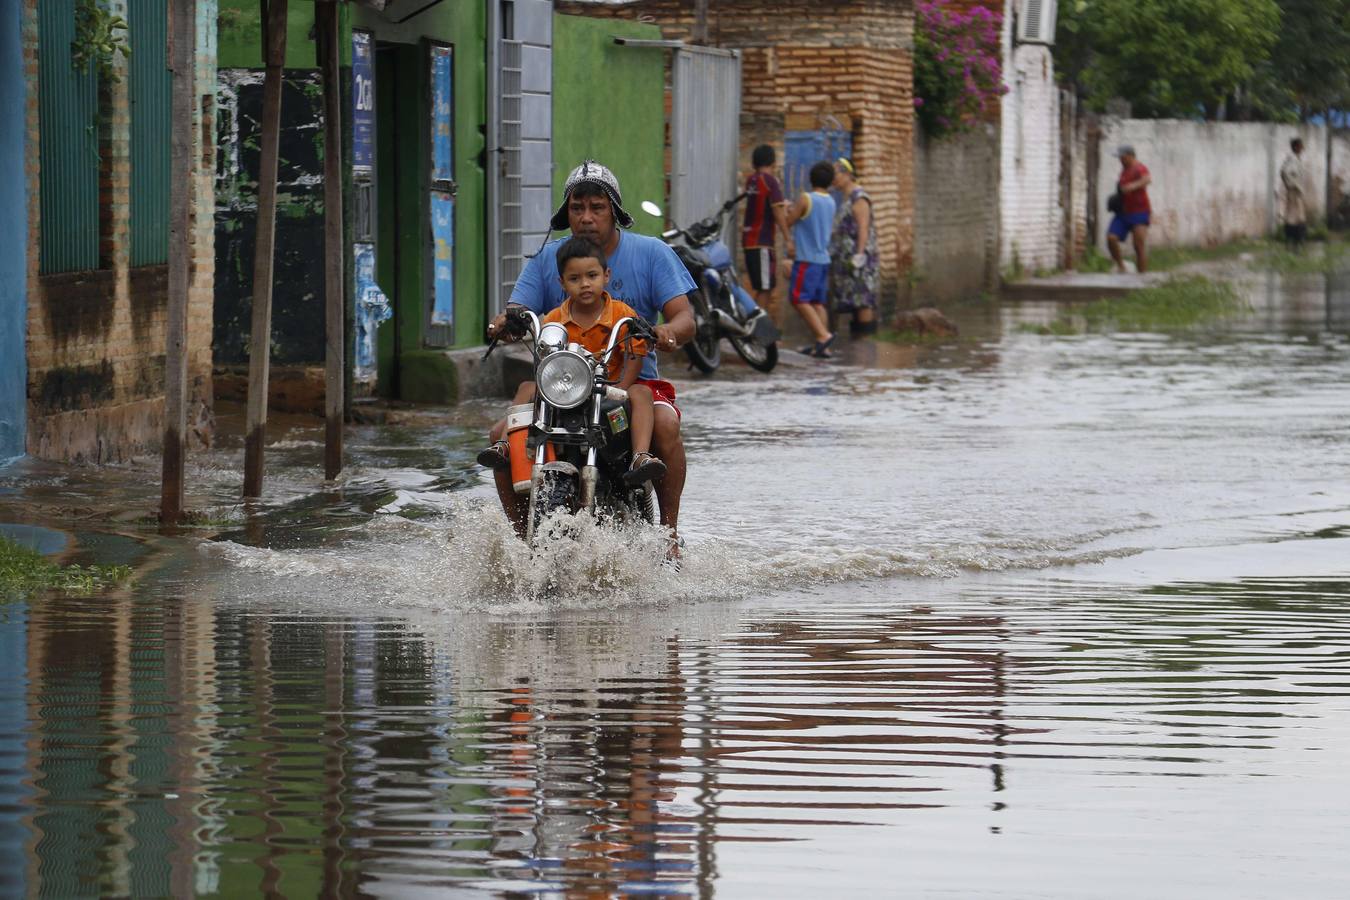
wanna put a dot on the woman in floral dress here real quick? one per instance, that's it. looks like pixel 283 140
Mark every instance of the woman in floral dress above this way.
pixel 854 274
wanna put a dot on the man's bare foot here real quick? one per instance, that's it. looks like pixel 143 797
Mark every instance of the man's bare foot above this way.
pixel 674 551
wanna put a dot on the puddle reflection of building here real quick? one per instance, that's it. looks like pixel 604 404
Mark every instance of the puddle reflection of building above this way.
pixel 873 679
pixel 1299 301
pixel 109 685
pixel 177 748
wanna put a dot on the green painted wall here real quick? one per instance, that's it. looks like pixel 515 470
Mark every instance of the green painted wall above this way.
pixel 462 24
pixel 609 105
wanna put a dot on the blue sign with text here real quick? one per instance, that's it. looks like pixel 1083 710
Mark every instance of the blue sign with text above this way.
pixel 363 103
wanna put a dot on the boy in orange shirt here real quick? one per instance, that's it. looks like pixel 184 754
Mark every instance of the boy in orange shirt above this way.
pixel 589 314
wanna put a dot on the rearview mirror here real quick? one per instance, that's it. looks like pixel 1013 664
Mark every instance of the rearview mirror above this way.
pixel 651 209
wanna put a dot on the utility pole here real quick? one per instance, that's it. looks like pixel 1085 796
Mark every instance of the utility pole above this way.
pixel 334 382
pixel 260 345
pixel 182 172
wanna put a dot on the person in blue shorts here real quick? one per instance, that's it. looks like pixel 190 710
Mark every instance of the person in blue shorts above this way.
pixel 1132 219
pixel 812 220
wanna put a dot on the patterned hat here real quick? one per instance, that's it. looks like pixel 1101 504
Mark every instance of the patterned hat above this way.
pixel 591 172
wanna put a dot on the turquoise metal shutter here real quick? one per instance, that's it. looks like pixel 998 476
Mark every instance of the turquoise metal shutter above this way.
pixel 68 154
pixel 150 122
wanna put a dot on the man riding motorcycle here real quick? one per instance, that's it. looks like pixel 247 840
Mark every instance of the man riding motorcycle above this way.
pixel 646 275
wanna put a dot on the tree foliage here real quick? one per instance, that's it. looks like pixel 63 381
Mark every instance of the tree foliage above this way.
pixel 1309 68
pixel 1168 58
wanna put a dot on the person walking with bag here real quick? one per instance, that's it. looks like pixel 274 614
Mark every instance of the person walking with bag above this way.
pixel 855 273
pixel 1132 218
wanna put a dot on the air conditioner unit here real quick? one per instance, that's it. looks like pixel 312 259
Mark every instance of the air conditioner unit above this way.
pixel 1036 22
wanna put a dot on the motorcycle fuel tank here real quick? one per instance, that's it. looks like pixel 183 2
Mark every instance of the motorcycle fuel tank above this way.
pixel 719 254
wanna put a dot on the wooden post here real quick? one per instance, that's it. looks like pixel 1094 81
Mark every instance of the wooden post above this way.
pixel 334 381
pixel 260 345
pixel 183 61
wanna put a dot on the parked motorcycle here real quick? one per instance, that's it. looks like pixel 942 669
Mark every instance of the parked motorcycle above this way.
pixel 722 308
pixel 571 447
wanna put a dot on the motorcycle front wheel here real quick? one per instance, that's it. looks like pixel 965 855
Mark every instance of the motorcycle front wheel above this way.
pixel 555 491
pixel 705 350
pixel 757 355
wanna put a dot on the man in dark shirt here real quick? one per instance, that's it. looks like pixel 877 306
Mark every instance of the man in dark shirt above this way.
pixel 765 210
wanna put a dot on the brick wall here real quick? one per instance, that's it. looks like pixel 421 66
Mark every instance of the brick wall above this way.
pixel 96 340
pixel 803 60
pixel 956 215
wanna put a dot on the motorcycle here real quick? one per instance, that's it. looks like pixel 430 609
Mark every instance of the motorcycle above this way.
pixel 571 447
pixel 722 308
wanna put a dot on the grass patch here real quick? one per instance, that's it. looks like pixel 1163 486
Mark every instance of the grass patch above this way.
pixel 1309 261
pixel 1094 261
pixel 1174 305
pixel 23 570
pixel 1164 259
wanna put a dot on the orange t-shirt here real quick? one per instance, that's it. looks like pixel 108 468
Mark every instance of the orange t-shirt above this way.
pixel 596 337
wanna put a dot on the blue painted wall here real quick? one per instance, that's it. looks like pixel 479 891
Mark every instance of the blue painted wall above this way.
pixel 13 236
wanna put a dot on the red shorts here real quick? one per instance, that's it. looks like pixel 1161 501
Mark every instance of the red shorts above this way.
pixel 662 392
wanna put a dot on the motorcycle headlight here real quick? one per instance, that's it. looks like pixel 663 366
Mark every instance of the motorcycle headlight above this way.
pixel 564 379
pixel 552 338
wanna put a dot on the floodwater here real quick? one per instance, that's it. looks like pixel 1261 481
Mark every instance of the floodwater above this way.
pixel 1011 616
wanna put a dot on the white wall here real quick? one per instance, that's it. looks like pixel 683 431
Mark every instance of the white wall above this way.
pixel 1340 174
pixel 1212 181
pixel 1032 224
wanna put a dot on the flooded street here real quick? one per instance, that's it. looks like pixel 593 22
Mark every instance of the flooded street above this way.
pixel 1017 615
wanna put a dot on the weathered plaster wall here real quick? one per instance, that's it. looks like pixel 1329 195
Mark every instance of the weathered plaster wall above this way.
pixel 13 234
pixel 956 215
pixel 1340 178
pixel 96 339
pixel 1212 181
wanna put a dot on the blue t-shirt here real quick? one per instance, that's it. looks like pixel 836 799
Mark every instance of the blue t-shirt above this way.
pixel 644 273
pixel 811 233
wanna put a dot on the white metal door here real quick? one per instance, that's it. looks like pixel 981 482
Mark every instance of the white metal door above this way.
pixel 705 130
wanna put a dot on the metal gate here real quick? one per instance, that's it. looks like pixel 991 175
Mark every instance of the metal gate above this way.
pixel 521 186
pixel 705 130
pixel 803 149
pixel 149 88
pixel 68 149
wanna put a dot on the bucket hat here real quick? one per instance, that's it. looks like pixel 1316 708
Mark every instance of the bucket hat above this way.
pixel 591 172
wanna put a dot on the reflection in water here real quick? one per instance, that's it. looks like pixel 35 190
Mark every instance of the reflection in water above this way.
pixel 180 746
pixel 1019 616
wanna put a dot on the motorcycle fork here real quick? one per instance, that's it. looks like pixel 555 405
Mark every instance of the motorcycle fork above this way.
pixel 589 473
pixel 540 455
